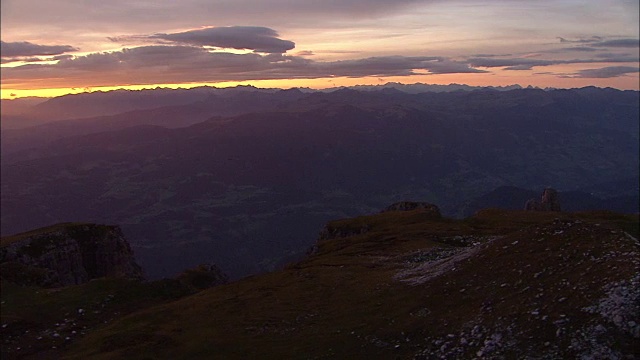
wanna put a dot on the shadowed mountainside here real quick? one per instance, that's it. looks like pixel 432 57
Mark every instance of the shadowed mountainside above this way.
pixel 248 192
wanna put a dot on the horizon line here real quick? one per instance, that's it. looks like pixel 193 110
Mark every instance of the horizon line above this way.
pixel 105 89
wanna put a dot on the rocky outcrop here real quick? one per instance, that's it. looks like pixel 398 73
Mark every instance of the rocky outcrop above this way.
pixel 203 277
pixel 67 254
pixel 412 205
pixel 548 202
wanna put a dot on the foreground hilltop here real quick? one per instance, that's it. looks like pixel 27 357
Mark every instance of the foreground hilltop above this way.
pixel 411 284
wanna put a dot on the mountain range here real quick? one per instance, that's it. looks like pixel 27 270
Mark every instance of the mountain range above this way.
pixel 245 177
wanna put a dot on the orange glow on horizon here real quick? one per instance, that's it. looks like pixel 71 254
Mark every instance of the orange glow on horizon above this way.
pixel 500 78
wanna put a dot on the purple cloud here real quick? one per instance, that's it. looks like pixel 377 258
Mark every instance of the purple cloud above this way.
pixel 529 63
pixel 257 38
pixel 25 49
pixel 510 63
pixel 589 44
pixel 624 43
pixel 167 64
pixel 581 40
pixel 605 72
pixel 578 48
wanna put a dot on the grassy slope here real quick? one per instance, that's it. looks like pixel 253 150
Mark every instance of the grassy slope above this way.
pixel 44 322
pixel 347 302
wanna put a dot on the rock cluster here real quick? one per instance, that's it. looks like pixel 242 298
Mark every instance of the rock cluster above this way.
pixel 548 202
pixel 412 205
pixel 68 254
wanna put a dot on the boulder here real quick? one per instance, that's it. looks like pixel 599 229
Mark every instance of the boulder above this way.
pixel 413 205
pixel 549 201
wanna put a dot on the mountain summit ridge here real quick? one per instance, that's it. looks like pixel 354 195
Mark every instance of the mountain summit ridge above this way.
pixel 499 284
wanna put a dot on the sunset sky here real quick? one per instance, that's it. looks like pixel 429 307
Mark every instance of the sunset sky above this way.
pixel 65 46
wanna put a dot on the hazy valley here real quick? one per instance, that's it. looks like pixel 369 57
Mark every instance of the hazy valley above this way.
pixel 314 180
pixel 246 177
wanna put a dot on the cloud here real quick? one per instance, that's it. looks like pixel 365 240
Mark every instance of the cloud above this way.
pixel 178 14
pixel 446 66
pixel 580 40
pixel 529 63
pixel 25 49
pixel 6 60
pixel 257 38
pixel 510 63
pixel 623 43
pixel 62 57
pixel 616 58
pixel 605 72
pixel 178 64
pixel 578 48
pixel 490 55
pixel 598 41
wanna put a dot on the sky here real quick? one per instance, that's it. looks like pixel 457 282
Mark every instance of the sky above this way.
pixel 51 48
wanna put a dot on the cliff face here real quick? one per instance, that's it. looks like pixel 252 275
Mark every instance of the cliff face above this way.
pixel 407 285
pixel 67 254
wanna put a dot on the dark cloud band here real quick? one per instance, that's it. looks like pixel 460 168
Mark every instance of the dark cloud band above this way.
pixel 25 49
pixel 165 64
pixel 256 38
pixel 605 72
pixel 528 64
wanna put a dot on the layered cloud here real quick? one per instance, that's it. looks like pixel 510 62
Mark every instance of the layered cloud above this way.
pixel 624 43
pixel 260 39
pixel 605 72
pixel 241 53
pixel 256 38
pixel 26 49
pixel 182 63
pixel 145 15
pixel 524 63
